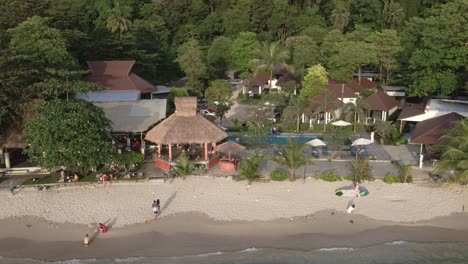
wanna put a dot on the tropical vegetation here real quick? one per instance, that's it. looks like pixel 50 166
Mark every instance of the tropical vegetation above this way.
pixel 292 157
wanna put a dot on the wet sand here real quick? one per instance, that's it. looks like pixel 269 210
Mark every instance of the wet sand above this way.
pixel 195 233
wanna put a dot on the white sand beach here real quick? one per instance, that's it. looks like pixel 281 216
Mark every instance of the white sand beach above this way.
pixel 226 200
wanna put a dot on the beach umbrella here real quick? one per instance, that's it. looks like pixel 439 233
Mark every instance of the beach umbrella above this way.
pixel 341 123
pixel 230 147
pixel 362 142
pixel 316 143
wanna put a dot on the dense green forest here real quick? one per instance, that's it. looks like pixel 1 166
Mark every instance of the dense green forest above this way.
pixel 45 43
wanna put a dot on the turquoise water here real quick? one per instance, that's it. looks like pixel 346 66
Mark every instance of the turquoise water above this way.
pixel 398 252
pixel 278 139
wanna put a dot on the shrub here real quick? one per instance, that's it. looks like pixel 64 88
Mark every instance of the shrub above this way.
pixel 349 177
pixel 329 176
pixel 391 178
pixel 278 175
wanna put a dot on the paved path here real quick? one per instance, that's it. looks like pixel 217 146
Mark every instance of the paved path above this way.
pixel 405 154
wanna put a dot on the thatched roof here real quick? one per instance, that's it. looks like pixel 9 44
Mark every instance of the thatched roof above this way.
pixel 230 147
pixel 185 126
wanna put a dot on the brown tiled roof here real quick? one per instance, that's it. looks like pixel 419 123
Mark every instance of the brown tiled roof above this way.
pixel 116 76
pixel 429 131
pixel 258 80
pixel 286 78
pixel 354 85
pixel 380 101
pixel 335 88
pixel 411 110
pixel 321 97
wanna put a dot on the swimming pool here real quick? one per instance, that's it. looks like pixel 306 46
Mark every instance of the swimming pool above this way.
pixel 277 139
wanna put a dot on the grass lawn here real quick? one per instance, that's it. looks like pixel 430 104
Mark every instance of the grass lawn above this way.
pixel 46 180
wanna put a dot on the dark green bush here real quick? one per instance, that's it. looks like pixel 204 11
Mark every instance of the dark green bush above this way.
pixel 349 177
pixel 278 175
pixel 391 178
pixel 329 176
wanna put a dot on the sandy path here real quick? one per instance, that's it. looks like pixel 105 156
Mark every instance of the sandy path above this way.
pixel 224 199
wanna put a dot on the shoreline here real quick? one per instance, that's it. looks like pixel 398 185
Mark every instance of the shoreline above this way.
pixel 189 234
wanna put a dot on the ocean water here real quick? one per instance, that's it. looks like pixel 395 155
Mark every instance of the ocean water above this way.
pixel 397 252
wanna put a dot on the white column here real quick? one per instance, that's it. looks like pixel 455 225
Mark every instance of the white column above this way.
pixel 7 160
pixel 260 90
pixel 421 156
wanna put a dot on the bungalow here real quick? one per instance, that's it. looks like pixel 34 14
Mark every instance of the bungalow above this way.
pixel 256 84
pixel 430 131
pixel 379 107
pixel 327 106
pixel 415 113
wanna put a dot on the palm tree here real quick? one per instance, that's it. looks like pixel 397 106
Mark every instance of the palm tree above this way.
pixel 183 166
pixel 405 172
pixel 384 130
pixel 249 167
pixel 118 20
pixel 362 170
pixel 326 105
pixel 355 112
pixel 296 108
pixel 455 153
pixel 268 56
pixel 340 18
pixel 292 157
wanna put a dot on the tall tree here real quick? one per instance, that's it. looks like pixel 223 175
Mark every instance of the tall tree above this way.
pixel 219 95
pixel 455 152
pixel 314 82
pixel 297 108
pixel 387 46
pixel 119 19
pixel 219 56
pixel 243 48
pixel 191 60
pixel 304 52
pixel 438 50
pixel 268 57
pixel 35 48
pixel 392 14
pixel 354 112
pixel 340 15
pixel 73 133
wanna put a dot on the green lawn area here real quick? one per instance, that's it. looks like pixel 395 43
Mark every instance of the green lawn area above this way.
pixel 46 180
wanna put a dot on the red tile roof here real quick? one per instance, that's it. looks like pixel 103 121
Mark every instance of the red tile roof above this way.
pixel 258 80
pixel 429 131
pixel 380 101
pixel 336 88
pixel 411 110
pixel 286 78
pixel 321 97
pixel 117 76
pixel 354 85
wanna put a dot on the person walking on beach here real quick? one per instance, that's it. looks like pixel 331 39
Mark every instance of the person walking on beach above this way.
pixel 158 205
pixel 155 207
pixel 86 240
pixel 351 208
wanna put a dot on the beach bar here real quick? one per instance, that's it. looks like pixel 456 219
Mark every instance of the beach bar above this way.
pixel 185 132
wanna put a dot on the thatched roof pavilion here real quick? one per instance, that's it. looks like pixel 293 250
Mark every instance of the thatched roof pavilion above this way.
pixel 185 126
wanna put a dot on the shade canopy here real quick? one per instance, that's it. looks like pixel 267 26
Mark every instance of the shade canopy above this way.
pixel 362 142
pixel 230 147
pixel 341 123
pixel 317 143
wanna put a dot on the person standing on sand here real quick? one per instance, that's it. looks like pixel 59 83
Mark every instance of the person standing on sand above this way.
pixel 86 240
pixel 155 207
pixel 158 205
pixel 351 208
